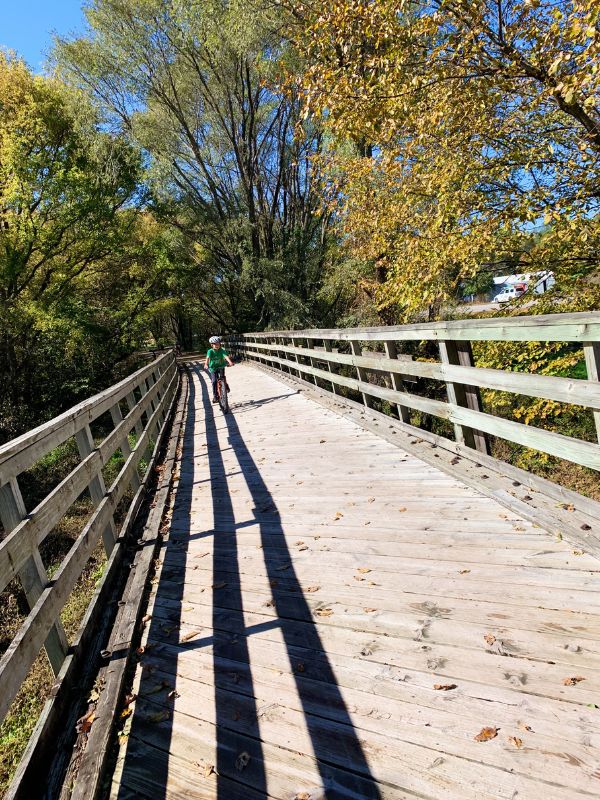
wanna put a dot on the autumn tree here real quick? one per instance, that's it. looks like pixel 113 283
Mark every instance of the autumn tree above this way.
pixel 471 123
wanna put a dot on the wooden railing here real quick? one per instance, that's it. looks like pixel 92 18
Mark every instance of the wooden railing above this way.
pixel 145 398
pixel 387 375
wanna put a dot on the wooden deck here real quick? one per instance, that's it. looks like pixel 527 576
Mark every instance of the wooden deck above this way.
pixel 316 585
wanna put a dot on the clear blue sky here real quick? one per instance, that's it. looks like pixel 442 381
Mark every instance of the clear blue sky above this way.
pixel 27 26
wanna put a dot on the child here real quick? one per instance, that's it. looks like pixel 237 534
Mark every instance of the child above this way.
pixel 216 358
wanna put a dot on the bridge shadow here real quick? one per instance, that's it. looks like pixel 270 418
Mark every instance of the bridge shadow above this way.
pixel 164 740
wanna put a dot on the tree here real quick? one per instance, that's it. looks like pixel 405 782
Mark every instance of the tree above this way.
pixel 471 122
pixel 229 162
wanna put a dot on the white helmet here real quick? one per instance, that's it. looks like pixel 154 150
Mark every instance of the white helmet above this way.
pixel 215 340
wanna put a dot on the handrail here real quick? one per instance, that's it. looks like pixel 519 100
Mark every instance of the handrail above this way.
pixel 148 395
pixel 386 376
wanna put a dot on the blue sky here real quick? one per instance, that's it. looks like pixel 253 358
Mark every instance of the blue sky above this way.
pixel 27 26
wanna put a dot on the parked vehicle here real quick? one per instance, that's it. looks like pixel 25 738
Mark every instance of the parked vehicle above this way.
pixel 509 293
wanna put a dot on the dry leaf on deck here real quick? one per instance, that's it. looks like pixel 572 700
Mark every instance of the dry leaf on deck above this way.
pixel 369 610
pixel 485 734
pixel 444 687
pixel 313 588
pixel 525 727
pixel 322 441
pixel 490 639
pixel 209 770
pixel 302 796
pixel 573 681
pixel 463 571
pixel 84 725
pixel 402 508
pixel 338 515
pixel 125 713
pixel 190 635
pixel 516 741
pixel 219 585
pixel 323 612
pixel 364 570
pixel 299 542
pixel 300 667
pixel 242 761
pixel 370 500
pixel 160 716
pixel 358 578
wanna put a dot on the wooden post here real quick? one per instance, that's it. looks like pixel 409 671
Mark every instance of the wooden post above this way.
pixel 117 418
pixel 131 404
pixel 592 363
pixel 310 346
pixel 97 487
pixel 461 394
pixel 331 367
pixel 33 576
pixel 362 373
pixel 397 383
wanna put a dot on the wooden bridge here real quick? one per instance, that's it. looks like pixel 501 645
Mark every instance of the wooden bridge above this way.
pixel 312 597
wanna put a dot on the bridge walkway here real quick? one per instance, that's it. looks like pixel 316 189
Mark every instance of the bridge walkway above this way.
pixel 333 618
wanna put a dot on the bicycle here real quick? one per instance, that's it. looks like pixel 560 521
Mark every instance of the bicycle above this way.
pixel 221 389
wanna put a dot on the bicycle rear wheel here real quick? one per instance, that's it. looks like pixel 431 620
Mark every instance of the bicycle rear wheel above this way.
pixel 222 391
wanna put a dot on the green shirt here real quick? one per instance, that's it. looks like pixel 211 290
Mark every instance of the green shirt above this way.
pixel 216 358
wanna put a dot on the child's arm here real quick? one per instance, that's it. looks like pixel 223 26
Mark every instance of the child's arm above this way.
pixel 229 361
pixel 206 362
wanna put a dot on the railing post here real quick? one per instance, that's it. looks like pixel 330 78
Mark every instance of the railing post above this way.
pixel 310 347
pixel 361 372
pixel 397 382
pixel 117 418
pixel 461 394
pixel 592 362
pixel 331 367
pixel 97 487
pixel 33 575
pixel 131 404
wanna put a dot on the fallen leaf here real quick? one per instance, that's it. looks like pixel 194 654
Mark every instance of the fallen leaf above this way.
pixel 322 441
pixel 173 694
pixel 299 542
pixel 302 796
pixel 573 681
pixel 284 566
pixel 160 716
pixel 586 527
pixel 577 552
pixel 358 578
pixel 364 570
pixel 485 734
pixel 323 612
pixel 219 585
pixel 525 727
pixel 463 571
pixel 370 500
pixel 490 639
pixel 367 523
pixel 242 761
pixel 125 713
pixel 444 687
pixel 146 619
pixel 516 741
pixel 338 515
pixel 402 508
pixel 208 770
pixel 84 725
pixel 304 547
pixel 190 635
pixel 94 695
pixel 369 610
pixel 300 667
pixel 313 588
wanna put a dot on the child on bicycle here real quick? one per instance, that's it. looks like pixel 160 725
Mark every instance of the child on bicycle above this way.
pixel 216 358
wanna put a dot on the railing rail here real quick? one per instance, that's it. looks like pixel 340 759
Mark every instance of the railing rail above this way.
pixel 145 396
pixel 385 376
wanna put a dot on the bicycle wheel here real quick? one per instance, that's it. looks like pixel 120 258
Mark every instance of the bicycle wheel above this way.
pixel 222 391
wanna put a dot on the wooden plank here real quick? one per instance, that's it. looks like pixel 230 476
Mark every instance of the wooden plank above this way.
pixel 21 453
pixel 34 527
pixel 97 487
pixel 91 766
pixel 23 650
pixel 563 390
pixel 580 452
pixel 576 327
pixel 50 744
pixel 117 418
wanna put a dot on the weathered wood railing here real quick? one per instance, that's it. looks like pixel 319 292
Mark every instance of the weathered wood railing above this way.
pixel 145 397
pixel 311 353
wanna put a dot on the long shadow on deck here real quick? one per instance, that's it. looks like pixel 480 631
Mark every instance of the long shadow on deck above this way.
pixel 341 761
